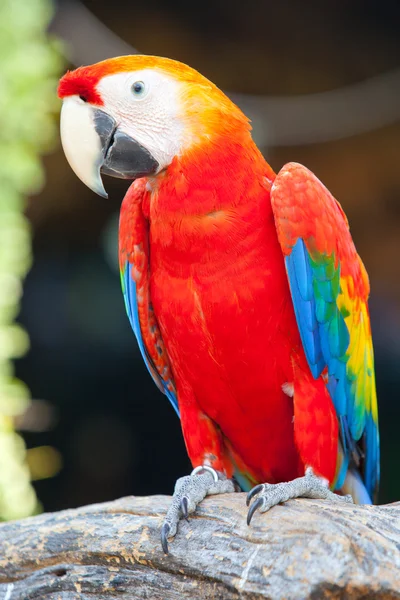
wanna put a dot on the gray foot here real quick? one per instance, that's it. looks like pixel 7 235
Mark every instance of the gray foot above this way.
pixel 267 495
pixel 189 492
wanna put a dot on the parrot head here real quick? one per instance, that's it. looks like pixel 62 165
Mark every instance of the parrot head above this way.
pixel 130 116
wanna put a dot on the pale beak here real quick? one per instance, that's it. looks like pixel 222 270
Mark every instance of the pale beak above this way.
pixel 93 144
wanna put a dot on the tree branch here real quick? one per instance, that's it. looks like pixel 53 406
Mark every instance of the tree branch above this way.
pixel 303 549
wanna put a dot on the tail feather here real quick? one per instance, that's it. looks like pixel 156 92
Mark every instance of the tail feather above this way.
pixel 353 484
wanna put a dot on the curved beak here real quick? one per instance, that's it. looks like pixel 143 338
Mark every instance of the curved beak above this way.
pixel 93 145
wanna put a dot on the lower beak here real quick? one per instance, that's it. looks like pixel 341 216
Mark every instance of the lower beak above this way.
pixel 93 145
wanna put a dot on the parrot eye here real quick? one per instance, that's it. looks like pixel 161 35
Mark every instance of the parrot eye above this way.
pixel 139 89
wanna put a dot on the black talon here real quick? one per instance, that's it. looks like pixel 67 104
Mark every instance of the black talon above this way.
pixel 254 492
pixel 257 504
pixel 164 537
pixel 185 507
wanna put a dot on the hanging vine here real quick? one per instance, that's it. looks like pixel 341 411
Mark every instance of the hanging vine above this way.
pixel 29 65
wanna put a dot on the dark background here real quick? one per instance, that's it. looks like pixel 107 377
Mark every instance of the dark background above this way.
pixel 116 432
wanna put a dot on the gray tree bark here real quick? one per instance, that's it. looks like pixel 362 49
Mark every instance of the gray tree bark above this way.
pixel 302 549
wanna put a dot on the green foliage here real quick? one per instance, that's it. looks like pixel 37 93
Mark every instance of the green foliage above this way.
pixel 29 67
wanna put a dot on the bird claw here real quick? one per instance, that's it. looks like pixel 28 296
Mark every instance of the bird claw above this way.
pixel 257 504
pixel 189 492
pixel 267 495
pixel 165 529
pixel 185 507
pixel 256 490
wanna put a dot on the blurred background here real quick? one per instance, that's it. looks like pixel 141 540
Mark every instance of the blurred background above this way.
pixel 321 82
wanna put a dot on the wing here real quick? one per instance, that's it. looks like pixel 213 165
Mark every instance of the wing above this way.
pixel 134 269
pixel 330 288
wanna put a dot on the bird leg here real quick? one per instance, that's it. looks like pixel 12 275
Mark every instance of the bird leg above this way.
pixel 189 492
pixel 267 495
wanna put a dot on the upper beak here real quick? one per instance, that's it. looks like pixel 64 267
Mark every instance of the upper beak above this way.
pixel 93 144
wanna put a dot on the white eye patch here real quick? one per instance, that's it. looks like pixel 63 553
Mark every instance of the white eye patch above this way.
pixel 146 105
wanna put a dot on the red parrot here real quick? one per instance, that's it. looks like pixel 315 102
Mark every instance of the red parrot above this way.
pixel 244 289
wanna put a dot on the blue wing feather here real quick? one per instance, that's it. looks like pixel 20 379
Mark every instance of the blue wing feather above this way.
pixel 131 305
pixel 314 288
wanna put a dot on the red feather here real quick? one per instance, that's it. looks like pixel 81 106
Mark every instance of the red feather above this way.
pixel 220 294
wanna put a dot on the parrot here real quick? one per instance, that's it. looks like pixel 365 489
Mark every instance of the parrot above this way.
pixel 243 287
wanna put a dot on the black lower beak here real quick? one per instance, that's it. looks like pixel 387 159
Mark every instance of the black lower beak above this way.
pixel 123 157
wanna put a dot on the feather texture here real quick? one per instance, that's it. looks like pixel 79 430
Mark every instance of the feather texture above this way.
pixel 134 270
pixel 333 318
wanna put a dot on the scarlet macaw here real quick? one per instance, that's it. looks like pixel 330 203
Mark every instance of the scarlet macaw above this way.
pixel 244 289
